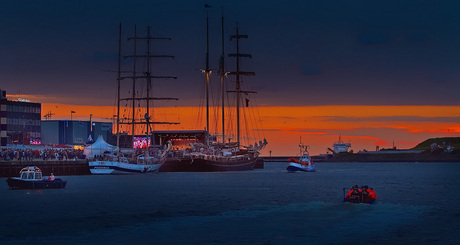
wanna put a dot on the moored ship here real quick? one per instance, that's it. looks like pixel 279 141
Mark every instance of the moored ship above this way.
pixel 142 157
pixel 211 155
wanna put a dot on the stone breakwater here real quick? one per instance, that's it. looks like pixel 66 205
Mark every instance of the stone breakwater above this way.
pixel 382 157
pixel 58 168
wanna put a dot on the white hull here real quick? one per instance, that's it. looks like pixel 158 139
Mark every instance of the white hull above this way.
pixel 293 167
pixel 114 167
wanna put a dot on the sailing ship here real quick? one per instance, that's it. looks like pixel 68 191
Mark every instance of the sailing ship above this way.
pixel 148 159
pixel 222 156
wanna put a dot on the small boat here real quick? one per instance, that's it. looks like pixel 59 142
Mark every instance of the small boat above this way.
pixel 360 195
pixel 31 178
pixel 304 163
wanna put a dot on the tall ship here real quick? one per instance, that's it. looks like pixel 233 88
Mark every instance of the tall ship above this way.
pixel 223 155
pixel 138 155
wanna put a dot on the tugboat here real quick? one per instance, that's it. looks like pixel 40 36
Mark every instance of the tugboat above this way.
pixel 31 178
pixel 304 164
pixel 360 195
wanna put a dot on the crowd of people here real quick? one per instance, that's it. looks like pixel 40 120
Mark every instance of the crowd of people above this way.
pixel 36 155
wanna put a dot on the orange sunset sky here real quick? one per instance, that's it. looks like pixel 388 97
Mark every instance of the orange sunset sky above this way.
pixel 365 127
pixel 382 73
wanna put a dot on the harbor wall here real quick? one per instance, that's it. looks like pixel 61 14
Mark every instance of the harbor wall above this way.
pixel 78 167
pixel 58 168
pixel 396 157
pixel 382 157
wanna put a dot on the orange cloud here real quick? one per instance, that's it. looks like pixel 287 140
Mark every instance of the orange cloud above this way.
pixel 283 126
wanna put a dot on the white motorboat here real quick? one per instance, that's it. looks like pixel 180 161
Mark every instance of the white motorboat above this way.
pixel 303 164
pixel 31 177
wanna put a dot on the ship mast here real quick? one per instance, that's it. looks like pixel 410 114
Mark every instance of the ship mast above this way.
pixel 239 73
pixel 222 81
pixel 148 77
pixel 134 84
pixel 118 90
pixel 207 72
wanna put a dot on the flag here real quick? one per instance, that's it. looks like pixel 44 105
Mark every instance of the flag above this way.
pixel 206 5
pixel 247 102
pixel 72 112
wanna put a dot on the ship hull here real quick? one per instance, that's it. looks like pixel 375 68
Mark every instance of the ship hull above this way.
pixel 206 165
pixel 17 183
pixel 114 167
pixel 296 167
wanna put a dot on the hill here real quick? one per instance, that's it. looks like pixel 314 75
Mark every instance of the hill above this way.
pixel 426 145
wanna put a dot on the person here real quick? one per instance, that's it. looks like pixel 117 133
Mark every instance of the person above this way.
pixel 372 194
pixel 51 177
pixel 354 195
pixel 353 190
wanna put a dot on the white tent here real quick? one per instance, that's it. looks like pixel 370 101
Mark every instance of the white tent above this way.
pixel 98 148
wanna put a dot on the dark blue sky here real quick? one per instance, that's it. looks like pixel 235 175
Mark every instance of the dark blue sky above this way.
pixel 304 52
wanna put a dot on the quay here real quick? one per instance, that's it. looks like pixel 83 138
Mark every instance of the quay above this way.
pixel 72 167
pixel 57 167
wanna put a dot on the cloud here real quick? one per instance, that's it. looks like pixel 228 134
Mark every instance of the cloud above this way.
pixel 276 117
pixel 270 130
pixel 393 119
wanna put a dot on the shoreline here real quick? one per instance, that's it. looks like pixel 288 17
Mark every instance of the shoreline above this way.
pixel 382 157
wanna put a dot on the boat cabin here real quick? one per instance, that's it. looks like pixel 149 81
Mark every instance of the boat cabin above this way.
pixel 31 173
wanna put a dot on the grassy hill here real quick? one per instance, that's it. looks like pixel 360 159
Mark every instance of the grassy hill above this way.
pixel 426 145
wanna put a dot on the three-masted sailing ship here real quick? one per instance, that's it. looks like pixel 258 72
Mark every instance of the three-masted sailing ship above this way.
pixel 141 157
pixel 222 156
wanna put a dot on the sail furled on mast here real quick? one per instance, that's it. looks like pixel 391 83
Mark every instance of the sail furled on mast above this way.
pixel 237 74
pixel 141 108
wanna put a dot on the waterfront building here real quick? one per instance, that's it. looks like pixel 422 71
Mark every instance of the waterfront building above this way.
pixel 19 121
pixel 74 132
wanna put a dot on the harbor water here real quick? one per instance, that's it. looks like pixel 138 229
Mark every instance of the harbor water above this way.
pixel 417 203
